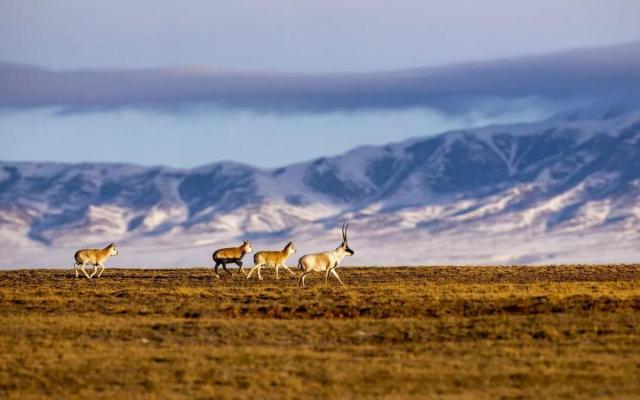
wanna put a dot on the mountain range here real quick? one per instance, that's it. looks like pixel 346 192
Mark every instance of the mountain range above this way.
pixel 565 189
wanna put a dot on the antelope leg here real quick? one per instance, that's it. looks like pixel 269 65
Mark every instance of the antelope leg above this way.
pixel 288 269
pixel 257 266
pixel 333 271
pixel 224 266
pixel 240 266
pixel 301 279
pixel 84 271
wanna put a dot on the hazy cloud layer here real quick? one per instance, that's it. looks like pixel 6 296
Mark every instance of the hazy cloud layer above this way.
pixel 597 74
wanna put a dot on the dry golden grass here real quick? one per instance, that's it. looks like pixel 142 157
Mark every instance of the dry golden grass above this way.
pixel 442 332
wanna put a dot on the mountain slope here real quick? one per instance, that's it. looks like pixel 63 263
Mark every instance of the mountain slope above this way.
pixel 477 195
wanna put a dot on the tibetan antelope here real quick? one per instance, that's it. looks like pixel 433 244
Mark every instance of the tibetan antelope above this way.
pixel 272 259
pixel 95 257
pixel 231 255
pixel 326 261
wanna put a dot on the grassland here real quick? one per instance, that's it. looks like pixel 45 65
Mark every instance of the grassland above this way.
pixel 441 332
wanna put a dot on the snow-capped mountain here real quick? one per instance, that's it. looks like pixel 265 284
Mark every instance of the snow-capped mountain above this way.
pixel 566 189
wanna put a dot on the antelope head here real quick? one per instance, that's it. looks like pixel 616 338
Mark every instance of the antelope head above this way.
pixel 246 246
pixel 344 246
pixel 113 250
pixel 290 248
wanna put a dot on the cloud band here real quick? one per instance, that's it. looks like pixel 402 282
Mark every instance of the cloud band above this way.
pixel 596 74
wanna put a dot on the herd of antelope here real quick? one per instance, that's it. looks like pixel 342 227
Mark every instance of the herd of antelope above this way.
pixel 326 261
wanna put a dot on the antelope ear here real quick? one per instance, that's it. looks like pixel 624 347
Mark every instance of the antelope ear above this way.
pixel 112 245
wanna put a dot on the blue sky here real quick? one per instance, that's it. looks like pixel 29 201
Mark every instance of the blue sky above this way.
pixel 357 39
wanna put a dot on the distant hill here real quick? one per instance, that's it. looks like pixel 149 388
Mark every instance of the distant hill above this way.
pixel 563 189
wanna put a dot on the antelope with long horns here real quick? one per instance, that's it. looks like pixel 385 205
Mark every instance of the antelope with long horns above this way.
pixel 231 255
pixel 95 257
pixel 326 261
pixel 275 259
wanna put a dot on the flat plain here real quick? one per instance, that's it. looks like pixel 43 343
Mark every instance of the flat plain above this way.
pixel 394 332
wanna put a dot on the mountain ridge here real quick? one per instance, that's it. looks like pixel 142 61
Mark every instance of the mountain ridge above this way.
pixel 577 173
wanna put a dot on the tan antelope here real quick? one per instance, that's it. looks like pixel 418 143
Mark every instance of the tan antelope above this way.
pixel 95 257
pixel 326 261
pixel 231 255
pixel 275 259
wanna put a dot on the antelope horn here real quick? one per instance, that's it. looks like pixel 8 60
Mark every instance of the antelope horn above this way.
pixel 346 228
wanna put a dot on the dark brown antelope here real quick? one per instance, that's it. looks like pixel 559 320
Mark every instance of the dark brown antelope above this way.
pixel 231 255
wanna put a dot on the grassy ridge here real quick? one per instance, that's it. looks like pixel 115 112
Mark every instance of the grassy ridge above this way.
pixel 460 332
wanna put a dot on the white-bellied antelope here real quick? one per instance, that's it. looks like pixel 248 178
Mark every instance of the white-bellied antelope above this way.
pixel 95 257
pixel 326 261
pixel 275 259
pixel 231 255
